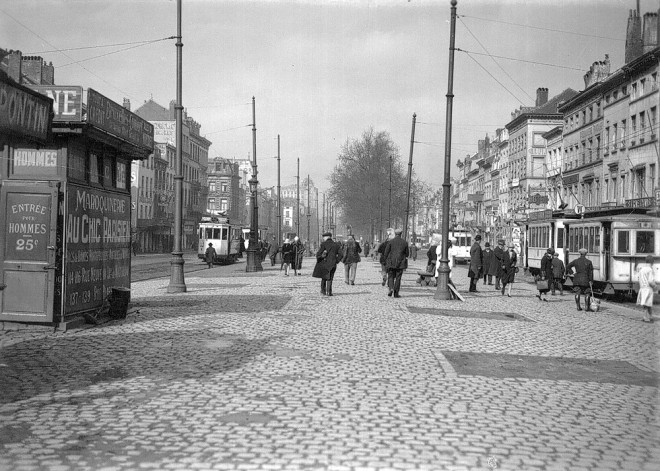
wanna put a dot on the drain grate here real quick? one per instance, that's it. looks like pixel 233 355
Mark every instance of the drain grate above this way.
pixel 498 316
pixel 500 365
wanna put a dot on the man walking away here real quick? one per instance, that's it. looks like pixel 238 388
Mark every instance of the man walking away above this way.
pixel 396 260
pixel 582 279
pixel 487 259
pixel 476 263
pixel 209 255
pixel 381 251
pixel 327 258
pixel 351 258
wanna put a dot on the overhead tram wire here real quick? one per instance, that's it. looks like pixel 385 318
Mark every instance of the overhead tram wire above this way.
pixel 98 46
pixel 544 29
pixel 521 60
pixel 492 76
pixel 114 52
pixel 496 63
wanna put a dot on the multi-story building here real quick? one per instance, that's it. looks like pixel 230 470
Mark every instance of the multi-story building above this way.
pixel 224 189
pixel 527 152
pixel 554 159
pixel 194 151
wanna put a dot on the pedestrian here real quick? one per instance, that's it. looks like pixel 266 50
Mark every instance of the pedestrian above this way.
pixel 396 260
pixel 241 247
pixel 558 272
pixel 272 251
pixel 545 275
pixel 647 284
pixel 351 258
pixel 209 255
pixel 432 253
pixel 582 278
pixel 381 251
pixel 451 256
pixel 509 268
pixel 327 257
pixel 476 263
pixel 367 247
pixel 287 256
pixel 299 253
pixel 488 257
pixel 498 255
pixel 136 247
pixel 413 252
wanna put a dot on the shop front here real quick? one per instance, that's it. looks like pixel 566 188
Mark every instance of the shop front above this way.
pixel 65 231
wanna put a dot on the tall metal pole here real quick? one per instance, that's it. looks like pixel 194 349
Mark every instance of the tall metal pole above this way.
pixel 389 206
pixel 298 200
pixel 318 233
pixel 279 196
pixel 309 214
pixel 253 257
pixel 177 280
pixel 442 292
pixel 324 212
pixel 412 143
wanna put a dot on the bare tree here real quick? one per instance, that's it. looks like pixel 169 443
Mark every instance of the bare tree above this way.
pixel 361 184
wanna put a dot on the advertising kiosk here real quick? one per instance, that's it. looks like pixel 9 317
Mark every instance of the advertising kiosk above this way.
pixel 65 206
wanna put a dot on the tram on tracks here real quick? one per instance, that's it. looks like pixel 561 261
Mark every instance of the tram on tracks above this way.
pixel 225 238
pixel 617 242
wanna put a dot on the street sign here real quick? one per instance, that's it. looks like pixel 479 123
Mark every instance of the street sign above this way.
pixel 579 209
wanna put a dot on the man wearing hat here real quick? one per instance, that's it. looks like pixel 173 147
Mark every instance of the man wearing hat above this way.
pixel 582 279
pixel 327 257
pixel 498 256
pixel 396 260
pixel 381 251
pixel 488 258
pixel 476 263
pixel 209 255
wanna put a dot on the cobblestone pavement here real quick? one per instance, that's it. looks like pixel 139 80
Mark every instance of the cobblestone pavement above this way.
pixel 259 371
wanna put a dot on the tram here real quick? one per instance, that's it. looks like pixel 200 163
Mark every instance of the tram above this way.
pixel 224 237
pixel 462 246
pixel 617 242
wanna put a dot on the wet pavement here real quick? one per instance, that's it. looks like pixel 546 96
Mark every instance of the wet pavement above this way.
pixel 259 371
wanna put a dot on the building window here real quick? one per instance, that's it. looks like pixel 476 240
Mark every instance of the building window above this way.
pixel 224 206
pixel 212 186
pixel 224 187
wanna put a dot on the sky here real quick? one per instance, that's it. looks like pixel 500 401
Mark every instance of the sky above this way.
pixel 325 71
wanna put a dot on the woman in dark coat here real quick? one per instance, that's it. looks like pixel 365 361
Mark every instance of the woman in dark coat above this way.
pixel 508 268
pixel 327 257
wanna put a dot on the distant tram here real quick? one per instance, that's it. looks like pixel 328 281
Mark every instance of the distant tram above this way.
pixel 617 242
pixel 224 237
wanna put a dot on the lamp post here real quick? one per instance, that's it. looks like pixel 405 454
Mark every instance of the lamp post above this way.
pixel 253 258
pixel 442 292
pixel 177 280
pixel 389 205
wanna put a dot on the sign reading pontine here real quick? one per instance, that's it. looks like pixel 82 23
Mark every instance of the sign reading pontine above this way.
pixel 112 117
pixel 24 112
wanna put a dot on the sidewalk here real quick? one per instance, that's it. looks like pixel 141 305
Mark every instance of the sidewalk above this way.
pixel 259 371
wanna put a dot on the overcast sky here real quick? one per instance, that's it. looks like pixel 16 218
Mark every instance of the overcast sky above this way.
pixel 324 71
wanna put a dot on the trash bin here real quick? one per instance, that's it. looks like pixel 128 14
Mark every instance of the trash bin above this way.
pixel 119 303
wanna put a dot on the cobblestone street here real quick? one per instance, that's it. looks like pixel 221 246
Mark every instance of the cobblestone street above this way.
pixel 259 371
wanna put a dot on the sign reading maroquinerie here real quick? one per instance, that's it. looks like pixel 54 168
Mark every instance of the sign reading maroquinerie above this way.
pixel 114 118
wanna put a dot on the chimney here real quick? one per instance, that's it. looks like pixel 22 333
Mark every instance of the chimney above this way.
pixel 541 96
pixel 634 45
pixel 127 104
pixel 650 32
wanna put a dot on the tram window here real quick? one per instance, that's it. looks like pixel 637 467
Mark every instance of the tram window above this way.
pixel 580 238
pixel 645 242
pixel 623 242
pixel 591 240
pixel 209 233
pixel 224 233
pixel 546 235
pixel 216 233
pixel 469 241
pixel 560 238
pixel 597 240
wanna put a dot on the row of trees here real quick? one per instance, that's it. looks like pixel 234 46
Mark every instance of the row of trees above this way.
pixel 369 185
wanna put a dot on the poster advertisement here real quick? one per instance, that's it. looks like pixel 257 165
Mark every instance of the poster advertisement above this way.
pixel 28 226
pixel 97 241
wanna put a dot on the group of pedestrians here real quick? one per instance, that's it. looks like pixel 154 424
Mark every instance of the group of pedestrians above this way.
pixel 502 263
pixel 292 252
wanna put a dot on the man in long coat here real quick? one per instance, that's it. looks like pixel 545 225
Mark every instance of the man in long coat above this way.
pixel 396 260
pixel 327 257
pixel 476 263
pixel 381 251
pixel 498 256
pixel 582 279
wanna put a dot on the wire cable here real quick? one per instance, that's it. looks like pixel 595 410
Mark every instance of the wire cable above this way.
pixel 521 60
pixel 113 52
pixel 492 76
pixel 97 47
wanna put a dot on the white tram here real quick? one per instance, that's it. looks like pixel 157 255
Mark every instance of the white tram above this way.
pixel 617 242
pixel 462 245
pixel 224 237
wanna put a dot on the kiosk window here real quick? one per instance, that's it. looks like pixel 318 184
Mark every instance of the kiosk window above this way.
pixel 645 242
pixel 623 242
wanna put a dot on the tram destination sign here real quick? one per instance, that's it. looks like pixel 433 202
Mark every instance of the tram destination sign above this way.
pixel 105 114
